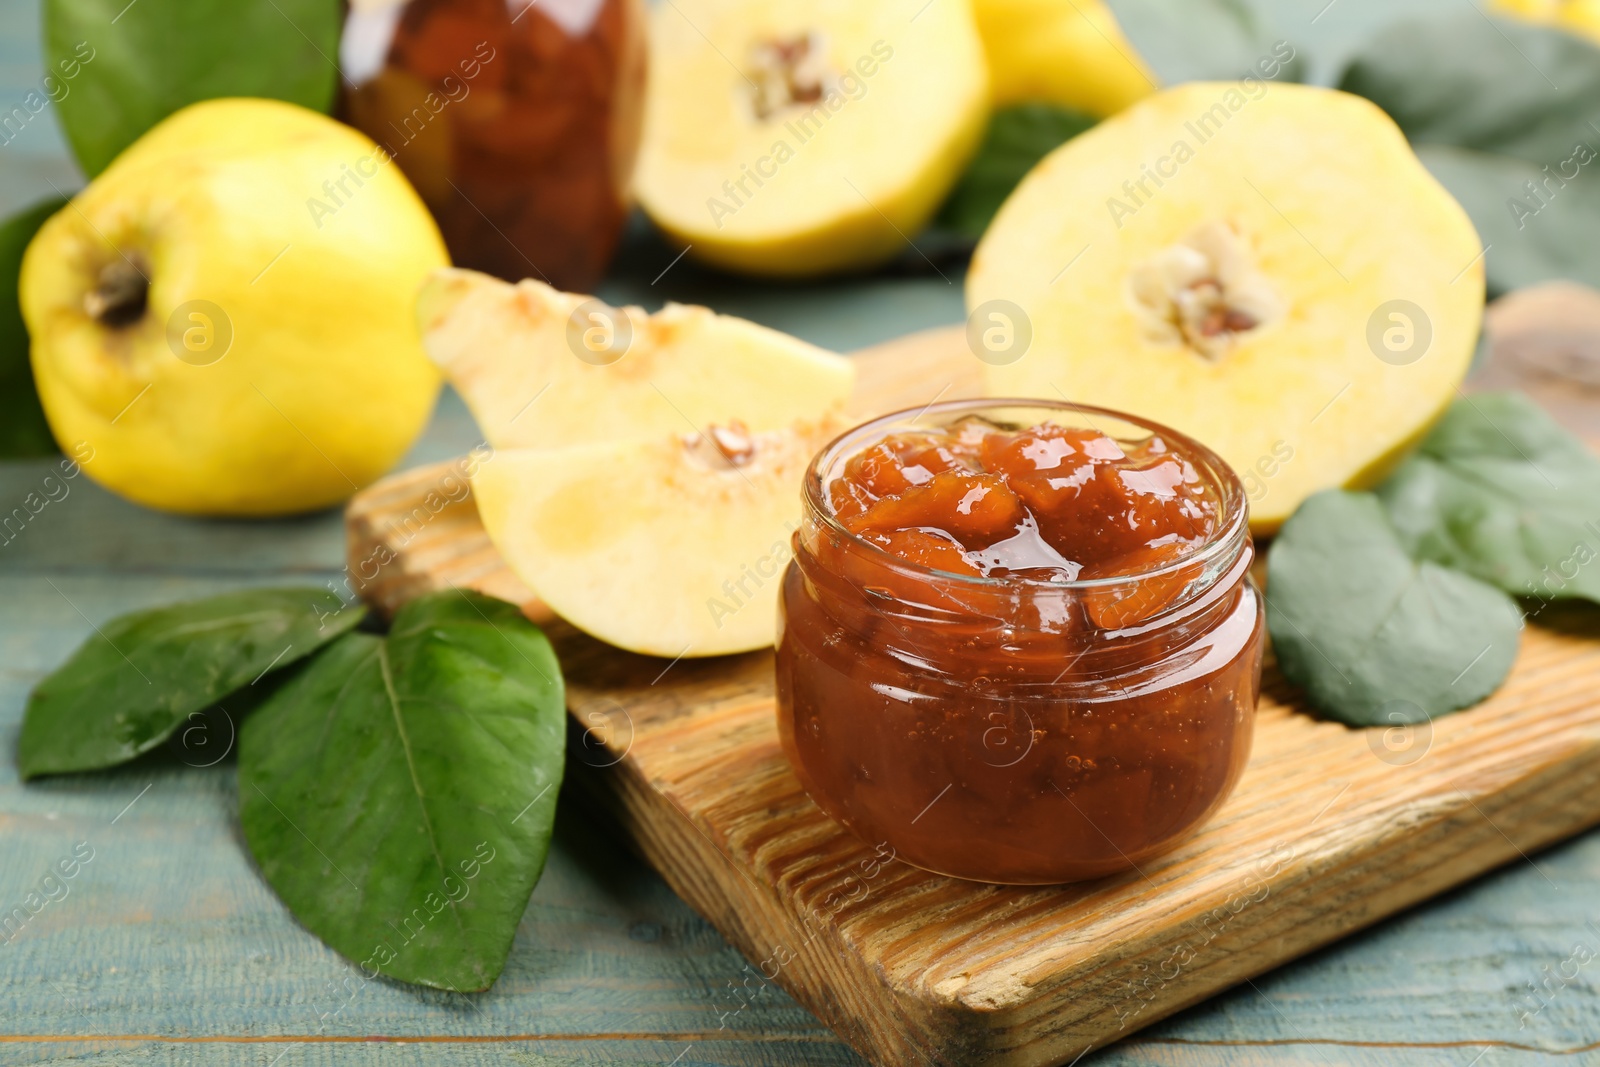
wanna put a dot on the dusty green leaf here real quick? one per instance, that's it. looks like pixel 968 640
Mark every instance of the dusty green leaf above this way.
pixel 23 430
pixel 1530 240
pixel 1495 85
pixel 1499 490
pixel 1492 105
pixel 137 63
pixel 399 792
pixel 141 676
pixel 1206 40
pixel 1371 636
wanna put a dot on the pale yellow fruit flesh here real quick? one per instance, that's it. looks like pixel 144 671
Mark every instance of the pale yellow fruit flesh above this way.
pixel 836 184
pixel 508 350
pixel 1337 218
pixel 646 547
pixel 1073 54
pixel 324 385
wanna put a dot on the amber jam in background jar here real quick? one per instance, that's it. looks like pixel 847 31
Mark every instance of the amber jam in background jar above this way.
pixel 517 121
pixel 1018 639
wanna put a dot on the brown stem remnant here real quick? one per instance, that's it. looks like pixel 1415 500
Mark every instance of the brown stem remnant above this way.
pixel 120 295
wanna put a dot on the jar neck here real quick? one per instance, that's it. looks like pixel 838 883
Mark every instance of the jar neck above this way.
pixel 1028 630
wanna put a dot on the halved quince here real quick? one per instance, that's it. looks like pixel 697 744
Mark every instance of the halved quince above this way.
pixel 795 137
pixel 1066 52
pixel 673 546
pixel 1273 273
pixel 541 368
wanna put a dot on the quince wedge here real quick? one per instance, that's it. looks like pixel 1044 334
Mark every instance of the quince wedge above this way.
pixel 540 368
pixel 799 137
pixel 672 546
pixel 1066 52
pixel 1268 268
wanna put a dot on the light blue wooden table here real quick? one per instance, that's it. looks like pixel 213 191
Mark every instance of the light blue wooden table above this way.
pixel 168 947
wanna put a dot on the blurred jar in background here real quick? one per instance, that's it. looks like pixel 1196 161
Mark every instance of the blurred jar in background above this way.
pixel 516 120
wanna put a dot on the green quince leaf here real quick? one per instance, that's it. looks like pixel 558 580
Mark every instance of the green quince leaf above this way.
pixel 23 430
pixel 1492 105
pixel 1207 40
pixel 1499 490
pixel 1531 237
pixel 399 793
pixel 1495 85
pixel 141 676
pixel 1371 636
pixel 123 67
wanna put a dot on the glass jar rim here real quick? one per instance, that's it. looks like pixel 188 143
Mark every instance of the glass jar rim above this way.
pixel 1215 554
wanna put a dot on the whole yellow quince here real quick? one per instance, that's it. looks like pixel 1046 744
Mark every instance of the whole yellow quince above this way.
pixel 222 322
pixel 1071 53
pixel 1581 17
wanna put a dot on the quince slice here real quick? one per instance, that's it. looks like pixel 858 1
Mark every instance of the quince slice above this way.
pixel 1268 269
pixel 540 368
pixel 673 546
pixel 1073 54
pixel 796 137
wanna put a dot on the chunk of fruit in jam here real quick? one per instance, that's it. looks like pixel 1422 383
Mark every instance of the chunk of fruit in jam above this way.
pixel 891 467
pixel 975 509
pixel 1128 603
pixel 936 551
pixel 1047 503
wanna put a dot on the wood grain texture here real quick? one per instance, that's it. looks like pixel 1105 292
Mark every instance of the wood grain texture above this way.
pixel 1330 830
pixel 1545 341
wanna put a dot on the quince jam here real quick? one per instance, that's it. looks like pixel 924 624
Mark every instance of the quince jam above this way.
pixel 1019 641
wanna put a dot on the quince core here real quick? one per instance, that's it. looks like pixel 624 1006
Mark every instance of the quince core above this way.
pixel 794 138
pixel 1270 270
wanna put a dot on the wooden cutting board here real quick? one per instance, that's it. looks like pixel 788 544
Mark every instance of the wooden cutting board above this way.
pixel 1330 829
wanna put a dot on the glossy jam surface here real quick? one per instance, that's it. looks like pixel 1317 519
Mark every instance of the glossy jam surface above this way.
pixel 1048 503
pixel 1019 649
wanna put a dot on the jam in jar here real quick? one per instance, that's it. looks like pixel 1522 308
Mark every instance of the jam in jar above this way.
pixel 1018 639
pixel 516 120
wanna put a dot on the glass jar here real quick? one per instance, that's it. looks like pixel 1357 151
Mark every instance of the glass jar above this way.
pixel 1013 730
pixel 517 121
